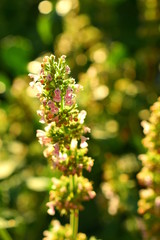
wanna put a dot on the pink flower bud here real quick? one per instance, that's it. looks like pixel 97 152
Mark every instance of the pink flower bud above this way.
pixel 68 70
pixel 56 150
pixel 68 97
pixel 41 114
pixel 42 137
pixel 54 109
pixel 57 97
pixel 69 91
pixel 68 102
pixel 91 194
pixel 42 71
pixel 56 119
pixel 51 210
pixel 49 77
pixel 63 57
pixel 78 87
pixel 83 143
pixel 87 129
pixel 44 102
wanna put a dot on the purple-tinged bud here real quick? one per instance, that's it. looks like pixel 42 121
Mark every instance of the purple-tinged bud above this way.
pixel 68 70
pixel 83 143
pixel 57 97
pixel 51 210
pixel 49 77
pixel 63 57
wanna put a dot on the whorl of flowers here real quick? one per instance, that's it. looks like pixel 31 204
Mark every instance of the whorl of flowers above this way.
pixel 63 135
pixel 62 197
pixel 149 176
pixel 59 232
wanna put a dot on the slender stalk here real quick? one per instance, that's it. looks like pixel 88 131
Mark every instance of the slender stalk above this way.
pixel 74 215
pixel 62 103
pixel 76 219
pixel 4 234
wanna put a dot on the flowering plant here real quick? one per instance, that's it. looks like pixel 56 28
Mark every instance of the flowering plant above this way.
pixel 148 177
pixel 66 145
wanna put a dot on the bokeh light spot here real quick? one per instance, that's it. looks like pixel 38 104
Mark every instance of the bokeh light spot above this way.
pixel 81 59
pixel 2 87
pixel 99 56
pixel 92 71
pixel 65 44
pixel 15 129
pixel 63 7
pixel 34 67
pixel 38 184
pixel 144 114
pixel 100 92
pixel 7 168
pixel 113 205
pixel 112 126
pixel 45 7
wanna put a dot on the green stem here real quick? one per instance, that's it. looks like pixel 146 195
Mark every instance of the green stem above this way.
pixel 62 103
pixel 74 215
pixel 75 229
pixel 4 234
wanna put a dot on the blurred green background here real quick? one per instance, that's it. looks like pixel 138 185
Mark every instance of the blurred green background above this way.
pixel 113 49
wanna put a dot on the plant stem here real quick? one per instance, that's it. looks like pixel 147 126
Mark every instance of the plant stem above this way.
pixel 62 103
pixel 4 234
pixel 76 218
pixel 74 215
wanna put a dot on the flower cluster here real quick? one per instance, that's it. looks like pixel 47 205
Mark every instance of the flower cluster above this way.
pixel 65 124
pixel 65 196
pixel 149 176
pixel 59 232
pixel 64 140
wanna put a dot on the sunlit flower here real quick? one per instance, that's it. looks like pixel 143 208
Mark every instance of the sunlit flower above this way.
pixel 83 143
pixel 146 127
pixel 68 97
pixel 51 210
pixel 81 116
pixel 52 106
pixel 49 77
pixel 41 114
pixel 68 70
pixel 42 137
pixel 56 149
pixel 57 95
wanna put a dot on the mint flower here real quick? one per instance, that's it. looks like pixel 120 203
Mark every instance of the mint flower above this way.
pixel 64 141
pixel 65 198
pixel 57 94
pixel 59 232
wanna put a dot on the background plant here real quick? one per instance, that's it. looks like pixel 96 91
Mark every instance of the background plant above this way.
pixel 148 177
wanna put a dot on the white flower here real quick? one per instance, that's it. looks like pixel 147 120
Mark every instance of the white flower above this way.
pixel 81 116
pixel 74 143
